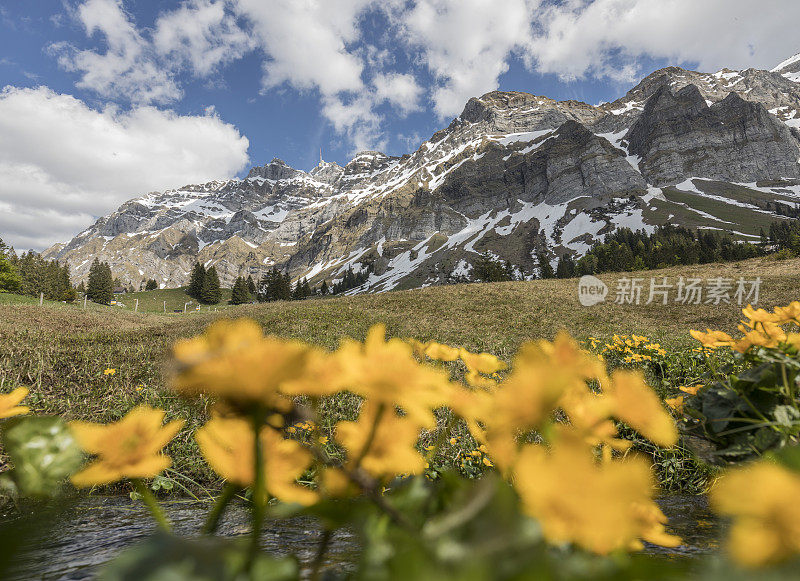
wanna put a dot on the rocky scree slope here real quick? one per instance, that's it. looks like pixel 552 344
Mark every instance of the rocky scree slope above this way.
pixel 515 176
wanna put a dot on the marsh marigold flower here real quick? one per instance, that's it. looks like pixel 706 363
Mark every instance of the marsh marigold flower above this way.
pixel 599 507
pixel 128 448
pixel 391 450
pixel 712 339
pixel 9 403
pixel 544 375
pixel 386 372
pixel 761 498
pixel 235 361
pixel 788 314
pixel 636 404
pixel 228 446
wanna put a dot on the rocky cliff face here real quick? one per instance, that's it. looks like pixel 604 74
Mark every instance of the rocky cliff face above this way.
pixel 515 175
pixel 679 136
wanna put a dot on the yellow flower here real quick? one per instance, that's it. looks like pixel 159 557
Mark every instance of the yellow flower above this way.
pixel 392 449
pixel 234 360
pixel 788 314
pixel 441 352
pixel 768 335
pixel 9 401
pixel 676 403
pixel 227 444
pixel 712 339
pixel 600 507
pixel 761 499
pixel 110 371
pixel 128 448
pixel 638 406
pixel 485 363
pixel 386 372
pixel 691 389
pixel 323 375
pixel 543 373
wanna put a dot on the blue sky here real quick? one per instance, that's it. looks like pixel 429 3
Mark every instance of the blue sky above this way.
pixel 143 95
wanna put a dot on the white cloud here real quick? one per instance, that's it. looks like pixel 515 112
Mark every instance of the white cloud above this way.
pixel 306 42
pixel 401 90
pixel 466 44
pixel 605 38
pixel 202 33
pixel 77 162
pixel 127 68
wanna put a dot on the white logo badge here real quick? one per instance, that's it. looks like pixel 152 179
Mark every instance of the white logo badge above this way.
pixel 591 290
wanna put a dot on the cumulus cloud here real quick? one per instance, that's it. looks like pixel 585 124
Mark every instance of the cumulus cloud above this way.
pixel 127 68
pixel 606 38
pixel 64 163
pixel 332 47
pixel 466 44
pixel 400 90
pixel 202 33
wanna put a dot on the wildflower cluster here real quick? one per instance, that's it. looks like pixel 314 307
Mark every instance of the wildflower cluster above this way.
pixel 624 349
pixel 753 415
pixel 253 376
pixel 543 431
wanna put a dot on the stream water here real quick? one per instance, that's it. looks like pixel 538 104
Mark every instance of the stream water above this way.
pixel 98 528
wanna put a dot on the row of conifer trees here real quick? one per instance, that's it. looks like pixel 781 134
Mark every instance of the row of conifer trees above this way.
pixel 30 274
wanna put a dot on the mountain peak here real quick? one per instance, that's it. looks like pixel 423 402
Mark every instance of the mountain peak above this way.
pixel 790 68
pixel 277 169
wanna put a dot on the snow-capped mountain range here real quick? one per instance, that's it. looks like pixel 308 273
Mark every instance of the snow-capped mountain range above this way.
pixel 515 175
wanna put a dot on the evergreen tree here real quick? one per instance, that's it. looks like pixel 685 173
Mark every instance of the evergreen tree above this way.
pixel 81 288
pixel 101 283
pixel 10 280
pixel 196 281
pixel 489 269
pixel 251 285
pixel 151 285
pixel 545 269
pixel 323 290
pixel 240 294
pixel 211 292
pixel 68 293
pixel 565 267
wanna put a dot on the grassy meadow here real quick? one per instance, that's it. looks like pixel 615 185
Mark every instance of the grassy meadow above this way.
pixel 62 351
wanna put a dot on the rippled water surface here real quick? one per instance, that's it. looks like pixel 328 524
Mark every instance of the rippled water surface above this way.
pixel 98 528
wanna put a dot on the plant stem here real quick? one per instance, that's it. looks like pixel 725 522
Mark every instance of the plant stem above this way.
pixel 259 492
pixel 212 521
pixel 152 504
pixel 371 437
pixel 320 556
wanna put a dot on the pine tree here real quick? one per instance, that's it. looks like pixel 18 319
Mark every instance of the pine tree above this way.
pixel 240 295
pixel 545 269
pixel 151 285
pixel 251 285
pixel 101 283
pixel 81 288
pixel 68 293
pixel 10 280
pixel 565 267
pixel 211 292
pixel 94 280
pixel 323 290
pixel 196 281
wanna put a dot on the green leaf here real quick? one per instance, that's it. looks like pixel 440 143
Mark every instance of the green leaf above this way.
pixel 786 415
pixel 44 454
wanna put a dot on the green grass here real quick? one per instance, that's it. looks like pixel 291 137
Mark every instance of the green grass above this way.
pixel 738 218
pixel 169 301
pixel 61 351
